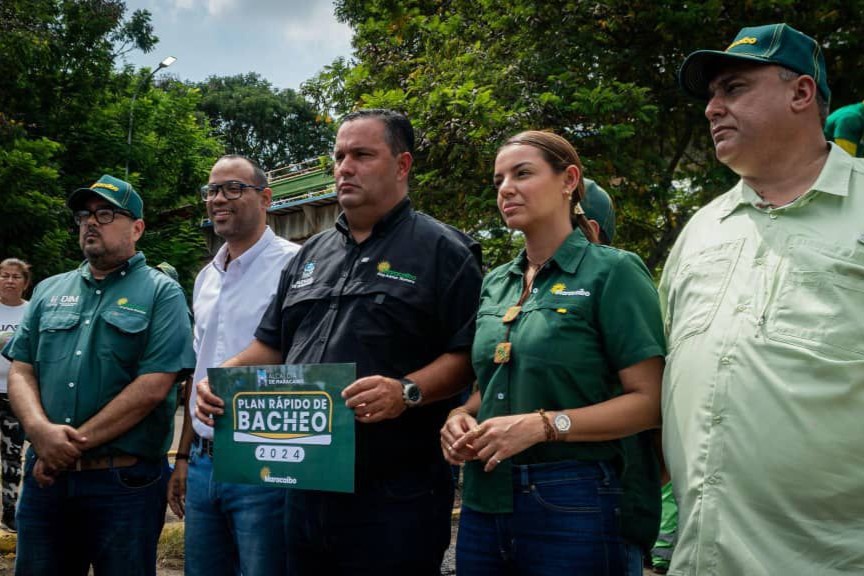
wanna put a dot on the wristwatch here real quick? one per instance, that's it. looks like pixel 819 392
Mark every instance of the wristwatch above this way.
pixel 562 423
pixel 411 393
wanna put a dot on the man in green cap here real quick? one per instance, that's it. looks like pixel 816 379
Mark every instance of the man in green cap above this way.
pixel 763 296
pixel 94 362
pixel 845 127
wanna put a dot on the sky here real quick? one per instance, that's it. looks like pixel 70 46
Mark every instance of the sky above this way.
pixel 285 41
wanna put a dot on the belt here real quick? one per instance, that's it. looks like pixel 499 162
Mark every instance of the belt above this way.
pixel 205 446
pixel 104 462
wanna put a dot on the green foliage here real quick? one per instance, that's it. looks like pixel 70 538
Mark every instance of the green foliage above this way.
pixel 470 73
pixel 274 127
pixel 64 117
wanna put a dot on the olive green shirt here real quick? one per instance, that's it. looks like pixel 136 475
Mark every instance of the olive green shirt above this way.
pixel 87 340
pixel 593 311
pixel 763 394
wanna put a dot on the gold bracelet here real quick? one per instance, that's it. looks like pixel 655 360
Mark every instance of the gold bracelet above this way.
pixel 551 433
pixel 457 410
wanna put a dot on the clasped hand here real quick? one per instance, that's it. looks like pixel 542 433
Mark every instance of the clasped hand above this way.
pixel 493 441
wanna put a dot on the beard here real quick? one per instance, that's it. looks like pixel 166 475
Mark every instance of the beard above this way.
pixel 101 258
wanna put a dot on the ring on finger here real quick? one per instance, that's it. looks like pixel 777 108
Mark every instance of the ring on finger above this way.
pixel 497 461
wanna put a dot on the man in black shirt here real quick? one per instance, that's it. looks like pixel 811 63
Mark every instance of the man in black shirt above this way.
pixel 395 292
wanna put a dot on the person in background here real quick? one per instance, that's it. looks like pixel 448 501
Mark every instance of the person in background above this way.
pixel 763 294
pixel 568 356
pixel 845 127
pixel 14 281
pixel 640 481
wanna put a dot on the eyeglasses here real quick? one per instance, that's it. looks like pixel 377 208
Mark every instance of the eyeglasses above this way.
pixel 232 189
pixel 103 215
pixel 5 277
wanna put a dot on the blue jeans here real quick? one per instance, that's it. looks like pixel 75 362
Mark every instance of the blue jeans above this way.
pixel 564 521
pixel 633 560
pixel 232 528
pixel 110 519
pixel 401 527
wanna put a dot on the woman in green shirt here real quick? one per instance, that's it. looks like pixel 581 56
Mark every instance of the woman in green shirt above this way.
pixel 569 358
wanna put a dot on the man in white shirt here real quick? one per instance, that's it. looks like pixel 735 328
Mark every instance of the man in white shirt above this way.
pixel 230 528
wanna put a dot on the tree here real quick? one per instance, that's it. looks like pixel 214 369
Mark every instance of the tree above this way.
pixel 273 127
pixel 470 73
pixel 64 114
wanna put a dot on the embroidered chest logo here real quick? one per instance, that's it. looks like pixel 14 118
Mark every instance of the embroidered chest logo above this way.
pixel 560 289
pixel 125 305
pixel 306 277
pixel 386 271
pixel 65 301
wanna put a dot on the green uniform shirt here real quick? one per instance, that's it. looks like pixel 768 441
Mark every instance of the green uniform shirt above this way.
pixel 845 126
pixel 87 340
pixel 763 393
pixel 593 311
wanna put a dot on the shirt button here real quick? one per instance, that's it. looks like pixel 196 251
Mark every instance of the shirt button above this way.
pixel 345 274
pixel 500 395
pixel 68 420
pixel 77 352
pixel 71 384
pixel 717 419
pixel 725 360
pixel 122 273
pixel 98 292
pixel 759 261
pixel 86 322
pixel 534 290
pixel 741 307
pixel 772 216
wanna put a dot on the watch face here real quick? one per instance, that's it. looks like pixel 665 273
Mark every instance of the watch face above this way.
pixel 562 422
pixel 412 391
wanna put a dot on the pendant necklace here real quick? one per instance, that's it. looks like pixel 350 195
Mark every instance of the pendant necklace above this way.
pixel 503 350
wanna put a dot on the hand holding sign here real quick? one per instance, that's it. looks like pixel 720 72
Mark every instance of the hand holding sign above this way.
pixel 375 398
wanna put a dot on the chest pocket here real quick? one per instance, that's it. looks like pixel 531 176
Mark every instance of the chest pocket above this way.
pixel 819 303
pixel 126 335
pixel 558 330
pixel 698 289
pixel 57 336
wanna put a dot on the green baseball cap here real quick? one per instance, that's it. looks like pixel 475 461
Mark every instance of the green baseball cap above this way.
pixel 597 205
pixel 118 192
pixel 778 44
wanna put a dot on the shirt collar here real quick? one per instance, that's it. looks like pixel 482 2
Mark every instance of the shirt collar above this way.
pixel 568 256
pixel 135 261
pixel 398 213
pixel 833 179
pixel 248 256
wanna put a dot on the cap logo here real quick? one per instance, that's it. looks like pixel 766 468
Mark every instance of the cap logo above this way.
pixel 745 40
pixel 104 185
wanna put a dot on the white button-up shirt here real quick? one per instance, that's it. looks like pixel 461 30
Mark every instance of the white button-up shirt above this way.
pixel 228 305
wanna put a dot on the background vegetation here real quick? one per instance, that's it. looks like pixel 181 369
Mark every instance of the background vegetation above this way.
pixel 468 72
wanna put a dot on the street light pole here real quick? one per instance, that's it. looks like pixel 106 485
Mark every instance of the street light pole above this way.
pixel 163 64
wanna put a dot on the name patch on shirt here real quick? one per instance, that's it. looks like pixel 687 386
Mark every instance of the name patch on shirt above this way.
pixel 386 271
pixel 560 289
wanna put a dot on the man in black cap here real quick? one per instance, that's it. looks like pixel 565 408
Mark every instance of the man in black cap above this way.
pixel 94 362
pixel 764 302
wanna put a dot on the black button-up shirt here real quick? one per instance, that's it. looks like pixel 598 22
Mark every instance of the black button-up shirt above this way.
pixel 391 304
